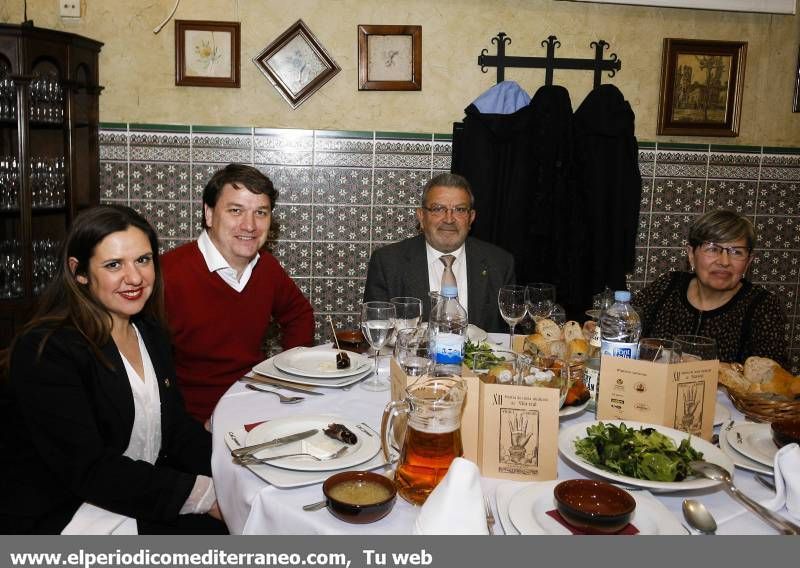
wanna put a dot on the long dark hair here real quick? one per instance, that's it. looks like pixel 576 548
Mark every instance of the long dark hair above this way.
pixel 66 303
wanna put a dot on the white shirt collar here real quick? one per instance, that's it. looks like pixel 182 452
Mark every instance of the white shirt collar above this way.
pixel 217 263
pixel 434 255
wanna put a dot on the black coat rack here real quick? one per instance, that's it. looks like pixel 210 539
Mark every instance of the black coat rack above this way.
pixel 549 62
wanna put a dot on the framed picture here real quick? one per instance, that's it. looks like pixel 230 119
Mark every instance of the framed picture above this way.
pixel 701 87
pixel 296 64
pixel 206 53
pixel 389 58
pixel 796 100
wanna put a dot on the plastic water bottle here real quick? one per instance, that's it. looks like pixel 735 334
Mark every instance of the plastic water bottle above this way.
pixel 447 332
pixel 620 328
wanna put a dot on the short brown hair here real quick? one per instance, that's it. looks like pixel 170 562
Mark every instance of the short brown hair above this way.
pixel 448 180
pixel 239 176
pixel 721 226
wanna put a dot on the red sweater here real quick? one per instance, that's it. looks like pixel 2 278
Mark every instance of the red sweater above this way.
pixel 217 332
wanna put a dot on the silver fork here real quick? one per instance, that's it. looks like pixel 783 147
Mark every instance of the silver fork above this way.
pixel 489 515
pixel 247 460
pixel 283 399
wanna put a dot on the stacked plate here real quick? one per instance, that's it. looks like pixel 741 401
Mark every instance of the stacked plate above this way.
pixel 749 445
pixel 315 367
pixel 296 471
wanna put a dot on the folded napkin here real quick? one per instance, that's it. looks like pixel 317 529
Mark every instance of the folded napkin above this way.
pixel 90 519
pixel 455 506
pixel 787 481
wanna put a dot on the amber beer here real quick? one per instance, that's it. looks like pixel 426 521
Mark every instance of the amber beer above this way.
pixel 424 461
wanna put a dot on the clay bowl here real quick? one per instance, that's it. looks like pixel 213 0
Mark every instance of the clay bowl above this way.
pixel 352 340
pixel 351 496
pixel 594 506
pixel 786 432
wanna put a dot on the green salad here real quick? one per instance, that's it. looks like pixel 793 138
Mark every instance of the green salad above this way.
pixel 644 453
pixel 482 351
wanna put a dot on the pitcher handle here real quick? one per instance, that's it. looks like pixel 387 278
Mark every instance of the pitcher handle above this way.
pixel 393 409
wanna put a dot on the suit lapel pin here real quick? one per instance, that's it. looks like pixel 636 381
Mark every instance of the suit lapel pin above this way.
pixel 166 383
pixel 484 272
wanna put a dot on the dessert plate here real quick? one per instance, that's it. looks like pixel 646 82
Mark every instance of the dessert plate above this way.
pixel 319 363
pixel 738 458
pixel 753 441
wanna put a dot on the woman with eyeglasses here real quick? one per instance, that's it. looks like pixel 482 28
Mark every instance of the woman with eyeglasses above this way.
pixel 715 299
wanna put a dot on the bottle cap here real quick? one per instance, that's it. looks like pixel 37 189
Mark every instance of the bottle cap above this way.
pixel 622 296
pixel 449 291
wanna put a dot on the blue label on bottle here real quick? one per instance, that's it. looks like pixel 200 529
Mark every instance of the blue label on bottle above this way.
pixel 619 349
pixel 449 349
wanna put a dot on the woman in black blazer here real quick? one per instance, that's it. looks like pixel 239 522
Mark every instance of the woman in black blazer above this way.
pixel 95 435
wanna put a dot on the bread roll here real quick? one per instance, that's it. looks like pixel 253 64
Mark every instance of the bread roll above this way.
pixel 549 329
pixel 588 329
pixel 540 342
pixel 572 330
pixel 578 349
pixel 759 369
pixel 731 376
pixel 558 348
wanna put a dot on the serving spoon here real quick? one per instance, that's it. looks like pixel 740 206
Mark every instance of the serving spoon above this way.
pixel 698 516
pixel 720 474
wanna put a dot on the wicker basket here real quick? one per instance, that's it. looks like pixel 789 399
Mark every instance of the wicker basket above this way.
pixel 764 407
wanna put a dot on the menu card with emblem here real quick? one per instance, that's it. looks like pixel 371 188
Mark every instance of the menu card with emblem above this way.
pixel 678 395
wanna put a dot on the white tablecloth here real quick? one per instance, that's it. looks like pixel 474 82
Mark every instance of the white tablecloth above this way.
pixel 252 506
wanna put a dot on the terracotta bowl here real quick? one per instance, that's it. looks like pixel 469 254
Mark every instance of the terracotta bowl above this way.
pixel 352 340
pixel 594 505
pixel 786 432
pixel 343 507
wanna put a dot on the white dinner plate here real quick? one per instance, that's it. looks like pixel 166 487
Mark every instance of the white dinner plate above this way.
pixel 567 411
pixel 287 479
pixel 753 441
pixel 721 414
pixel 711 453
pixel 319 444
pixel 528 508
pixel 739 459
pixel 268 369
pixel 319 363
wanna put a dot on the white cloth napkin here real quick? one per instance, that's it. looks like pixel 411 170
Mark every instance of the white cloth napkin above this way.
pixel 787 481
pixel 455 506
pixel 90 519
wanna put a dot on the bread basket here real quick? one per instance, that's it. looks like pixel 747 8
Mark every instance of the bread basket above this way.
pixel 763 407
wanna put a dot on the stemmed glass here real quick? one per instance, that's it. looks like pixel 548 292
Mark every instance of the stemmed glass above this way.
pixel 408 311
pixel 377 322
pixel 511 301
pixel 540 298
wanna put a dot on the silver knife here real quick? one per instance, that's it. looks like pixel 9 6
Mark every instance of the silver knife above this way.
pixel 277 383
pixel 239 452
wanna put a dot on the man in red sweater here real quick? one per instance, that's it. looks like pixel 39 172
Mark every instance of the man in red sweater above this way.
pixel 222 290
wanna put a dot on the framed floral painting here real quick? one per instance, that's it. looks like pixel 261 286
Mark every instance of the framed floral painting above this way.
pixel 206 53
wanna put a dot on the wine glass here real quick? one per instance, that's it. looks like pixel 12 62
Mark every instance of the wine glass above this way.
pixel 408 312
pixel 540 298
pixel 659 350
pixel 511 301
pixel 696 347
pixel 377 323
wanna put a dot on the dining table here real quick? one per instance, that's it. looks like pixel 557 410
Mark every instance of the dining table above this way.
pixel 251 505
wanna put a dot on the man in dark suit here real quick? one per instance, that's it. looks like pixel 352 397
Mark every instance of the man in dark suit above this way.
pixel 412 267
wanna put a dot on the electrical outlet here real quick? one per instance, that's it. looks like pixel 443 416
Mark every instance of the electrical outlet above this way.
pixel 69 8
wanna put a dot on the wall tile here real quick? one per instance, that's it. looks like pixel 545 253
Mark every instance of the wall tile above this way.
pixel 159 180
pixel 113 180
pixel 294 183
pixel 674 195
pixel 341 223
pixel 172 219
pixel 670 229
pixel 342 186
pixel 736 195
pixel 778 266
pixel 340 259
pixel 779 198
pixel 674 163
pixel 337 295
pixel 292 222
pixel 664 259
pixel 294 256
pixel 399 186
pixel 777 232
pixel 393 223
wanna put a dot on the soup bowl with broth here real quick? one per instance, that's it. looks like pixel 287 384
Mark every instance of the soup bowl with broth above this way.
pixel 359 496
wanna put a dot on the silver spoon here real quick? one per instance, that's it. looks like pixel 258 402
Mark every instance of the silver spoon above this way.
pixel 718 473
pixel 698 516
pixel 284 399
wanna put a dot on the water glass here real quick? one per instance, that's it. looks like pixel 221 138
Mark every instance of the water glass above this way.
pixel 411 351
pixel 696 347
pixel 540 299
pixel 659 350
pixel 377 323
pixel 500 366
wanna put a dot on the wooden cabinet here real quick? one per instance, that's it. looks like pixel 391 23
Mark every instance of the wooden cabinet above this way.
pixel 49 157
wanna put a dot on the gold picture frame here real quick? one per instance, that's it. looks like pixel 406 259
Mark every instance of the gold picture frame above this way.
pixel 207 53
pixel 296 64
pixel 389 58
pixel 701 87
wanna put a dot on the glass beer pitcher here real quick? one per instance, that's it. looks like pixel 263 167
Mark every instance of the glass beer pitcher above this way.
pixel 432 409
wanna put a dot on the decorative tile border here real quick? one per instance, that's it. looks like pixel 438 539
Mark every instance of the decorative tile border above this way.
pixel 345 193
